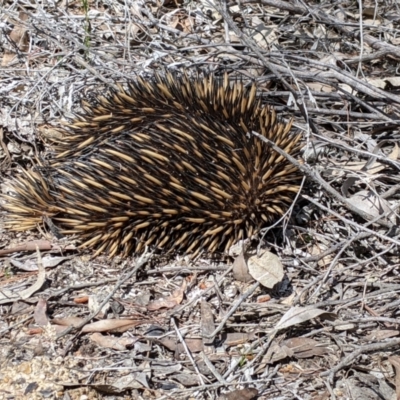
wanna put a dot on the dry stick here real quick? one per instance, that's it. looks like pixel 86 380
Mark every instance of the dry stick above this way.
pixel 60 292
pixel 249 43
pixel 142 260
pixel 361 350
pixel 343 245
pixel 320 256
pixel 188 353
pixel 370 40
pixel 390 192
pixel 370 57
pixel 234 307
pixel 212 386
pixel 331 266
pixel 155 22
pixel 16 325
pixel 184 270
pixel 348 302
pixel 323 111
pixel 390 321
pixel 329 72
pixel 213 370
pixel 346 244
pixel 347 221
pixel 362 87
pixel 356 34
pixel 352 301
pixel 93 71
pixel 261 352
pixel 338 74
pixel 325 77
pixel 266 345
pixel 344 146
pixel 316 177
pixel 196 298
pixel 325 73
pixel 360 263
pixel 332 249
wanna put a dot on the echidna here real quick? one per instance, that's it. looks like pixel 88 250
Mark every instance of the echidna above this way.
pixel 168 162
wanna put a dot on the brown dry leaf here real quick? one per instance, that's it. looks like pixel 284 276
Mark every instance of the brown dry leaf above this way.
pixel 263 298
pixel 291 369
pixel 170 344
pixel 267 269
pixel 240 394
pixel 20 39
pixel 276 353
pixel 161 303
pixel 111 342
pixel 305 347
pixel 81 299
pixel 297 347
pixel 174 22
pixel 40 314
pixel 41 319
pixel 233 38
pixel 111 325
pixel 240 269
pixel 323 396
pixel 169 302
pixel 236 338
pixel 50 133
pixel 194 345
pixel 35 331
pixel 330 59
pixel 68 321
pixel 344 326
pixel 379 335
pixel 298 315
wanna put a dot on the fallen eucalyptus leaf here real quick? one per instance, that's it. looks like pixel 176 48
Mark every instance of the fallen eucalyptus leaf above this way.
pixel 267 269
pixel 297 315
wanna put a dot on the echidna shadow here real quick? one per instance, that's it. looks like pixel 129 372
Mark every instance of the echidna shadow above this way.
pixel 166 162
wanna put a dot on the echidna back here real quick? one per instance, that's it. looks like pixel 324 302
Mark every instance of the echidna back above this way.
pixel 167 162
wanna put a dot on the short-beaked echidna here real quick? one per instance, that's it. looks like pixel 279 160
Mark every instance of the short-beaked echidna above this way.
pixel 168 162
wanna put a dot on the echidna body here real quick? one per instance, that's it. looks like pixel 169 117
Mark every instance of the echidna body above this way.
pixel 168 163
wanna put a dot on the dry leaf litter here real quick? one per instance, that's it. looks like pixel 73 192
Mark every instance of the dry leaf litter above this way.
pixel 310 311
